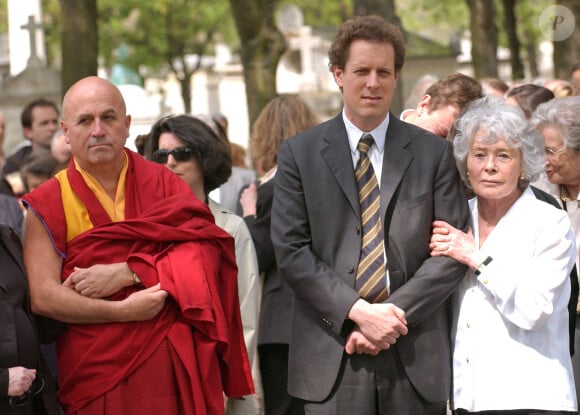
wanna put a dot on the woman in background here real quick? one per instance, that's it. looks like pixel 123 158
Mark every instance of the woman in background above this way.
pixel 283 117
pixel 190 148
pixel 558 121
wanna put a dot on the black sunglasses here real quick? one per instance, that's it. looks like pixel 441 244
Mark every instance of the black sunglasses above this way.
pixel 36 387
pixel 178 153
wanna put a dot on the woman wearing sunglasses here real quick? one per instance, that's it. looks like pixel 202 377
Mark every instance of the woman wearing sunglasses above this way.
pixel 193 151
pixel 26 386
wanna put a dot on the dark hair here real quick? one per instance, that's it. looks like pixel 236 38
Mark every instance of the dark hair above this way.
pixel 495 83
pixel 529 96
pixel 39 163
pixel 26 114
pixel 211 151
pixel 455 89
pixel 371 28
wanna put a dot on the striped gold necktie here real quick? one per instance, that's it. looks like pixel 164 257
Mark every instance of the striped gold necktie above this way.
pixel 370 277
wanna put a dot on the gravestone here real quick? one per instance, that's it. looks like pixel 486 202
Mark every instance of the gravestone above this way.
pixel 303 69
pixel 34 81
pixel 21 42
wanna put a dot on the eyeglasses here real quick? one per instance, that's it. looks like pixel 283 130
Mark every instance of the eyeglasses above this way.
pixel 550 152
pixel 36 387
pixel 179 154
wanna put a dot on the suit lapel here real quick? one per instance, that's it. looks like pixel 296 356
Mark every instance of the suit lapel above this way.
pixel 396 160
pixel 336 154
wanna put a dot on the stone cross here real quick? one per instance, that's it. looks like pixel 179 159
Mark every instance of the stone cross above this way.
pixel 32 27
pixel 305 42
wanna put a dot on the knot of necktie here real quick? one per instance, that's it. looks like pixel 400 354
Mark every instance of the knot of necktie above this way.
pixel 365 143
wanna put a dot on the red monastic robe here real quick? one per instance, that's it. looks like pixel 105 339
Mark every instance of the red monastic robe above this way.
pixel 168 236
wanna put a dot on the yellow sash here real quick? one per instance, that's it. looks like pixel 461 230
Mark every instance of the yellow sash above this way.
pixel 75 211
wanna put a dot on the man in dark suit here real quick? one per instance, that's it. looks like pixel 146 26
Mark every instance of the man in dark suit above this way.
pixel 350 355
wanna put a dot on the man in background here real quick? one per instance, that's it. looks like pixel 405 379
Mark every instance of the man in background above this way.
pixel 39 121
pixel 443 102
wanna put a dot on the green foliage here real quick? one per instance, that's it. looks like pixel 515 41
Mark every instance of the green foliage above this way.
pixel 52 30
pixel 528 13
pixel 321 13
pixel 416 15
pixel 3 16
pixel 162 32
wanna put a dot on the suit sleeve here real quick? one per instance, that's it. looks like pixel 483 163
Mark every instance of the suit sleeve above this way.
pixel 436 278
pixel 3 383
pixel 312 280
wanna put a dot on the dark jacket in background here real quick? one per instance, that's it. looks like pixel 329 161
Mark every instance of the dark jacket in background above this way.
pixel 19 344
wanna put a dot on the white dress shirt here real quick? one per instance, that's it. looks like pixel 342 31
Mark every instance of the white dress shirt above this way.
pixel 510 323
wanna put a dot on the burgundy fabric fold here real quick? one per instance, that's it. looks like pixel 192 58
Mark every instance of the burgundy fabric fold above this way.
pixel 170 237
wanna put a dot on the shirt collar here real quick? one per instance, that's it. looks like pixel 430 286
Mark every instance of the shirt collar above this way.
pixel 354 133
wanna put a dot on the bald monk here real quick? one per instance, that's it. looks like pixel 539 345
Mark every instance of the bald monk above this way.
pixel 120 250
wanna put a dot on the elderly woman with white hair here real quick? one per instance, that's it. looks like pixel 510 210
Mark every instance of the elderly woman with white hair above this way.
pixel 558 121
pixel 510 318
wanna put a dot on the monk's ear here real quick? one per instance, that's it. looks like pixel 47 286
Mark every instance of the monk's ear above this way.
pixel 128 124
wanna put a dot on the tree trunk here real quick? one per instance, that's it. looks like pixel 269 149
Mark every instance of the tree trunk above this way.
pixel 185 84
pixel 79 40
pixel 510 25
pixel 567 51
pixel 531 44
pixel 386 9
pixel 483 38
pixel 262 45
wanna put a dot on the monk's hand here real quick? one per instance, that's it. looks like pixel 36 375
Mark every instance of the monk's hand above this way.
pixel 19 380
pixel 143 304
pixel 382 324
pixel 101 280
pixel 356 342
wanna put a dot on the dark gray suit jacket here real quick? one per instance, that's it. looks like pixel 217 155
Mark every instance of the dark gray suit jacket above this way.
pixel 317 239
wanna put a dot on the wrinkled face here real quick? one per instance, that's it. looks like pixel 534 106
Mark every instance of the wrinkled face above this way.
pixel 439 121
pixel 493 169
pixel 562 164
pixel 188 170
pixel 44 126
pixel 367 81
pixel 95 124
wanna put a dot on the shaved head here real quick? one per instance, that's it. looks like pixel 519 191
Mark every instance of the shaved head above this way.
pixel 92 87
pixel 96 124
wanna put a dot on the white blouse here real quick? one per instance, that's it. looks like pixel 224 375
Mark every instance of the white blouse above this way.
pixel 510 323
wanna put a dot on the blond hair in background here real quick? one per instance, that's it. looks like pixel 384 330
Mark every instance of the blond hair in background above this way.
pixel 284 116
